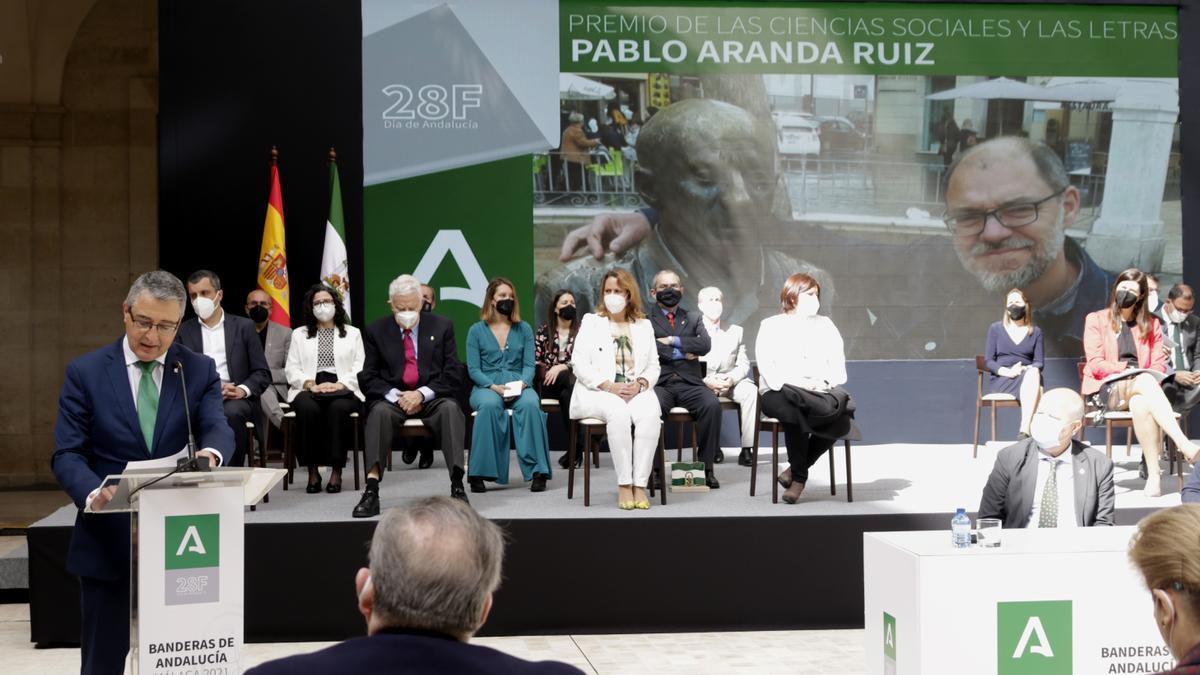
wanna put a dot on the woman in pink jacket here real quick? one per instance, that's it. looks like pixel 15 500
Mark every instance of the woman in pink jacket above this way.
pixel 1120 342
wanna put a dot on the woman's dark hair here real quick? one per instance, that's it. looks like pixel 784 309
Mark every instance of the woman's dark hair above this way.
pixel 339 312
pixel 552 315
pixel 792 288
pixel 1140 313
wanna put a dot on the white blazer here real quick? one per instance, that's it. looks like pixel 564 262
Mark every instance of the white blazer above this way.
pixel 728 354
pixel 301 366
pixel 594 359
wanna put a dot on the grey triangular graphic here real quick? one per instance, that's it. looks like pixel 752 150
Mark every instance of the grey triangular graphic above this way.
pixel 433 48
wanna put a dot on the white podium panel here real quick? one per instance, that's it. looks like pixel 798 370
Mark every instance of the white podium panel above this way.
pixel 1046 602
pixel 189 569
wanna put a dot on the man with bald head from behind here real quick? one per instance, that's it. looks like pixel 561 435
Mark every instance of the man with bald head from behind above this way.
pixel 1051 479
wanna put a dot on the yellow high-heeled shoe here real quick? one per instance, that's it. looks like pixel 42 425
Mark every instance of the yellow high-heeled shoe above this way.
pixel 642 505
pixel 625 506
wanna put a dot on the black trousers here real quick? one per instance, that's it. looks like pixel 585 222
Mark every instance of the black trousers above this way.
pixel 323 428
pixel 804 448
pixel 104 634
pixel 237 413
pixel 561 390
pixel 704 407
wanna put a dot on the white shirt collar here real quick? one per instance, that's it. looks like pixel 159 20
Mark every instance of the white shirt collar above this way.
pixel 1045 456
pixel 131 358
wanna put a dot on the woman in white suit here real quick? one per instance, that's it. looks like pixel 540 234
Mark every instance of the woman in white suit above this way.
pixel 616 365
pixel 322 372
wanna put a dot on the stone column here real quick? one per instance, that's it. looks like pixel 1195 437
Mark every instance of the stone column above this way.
pixel 1129 232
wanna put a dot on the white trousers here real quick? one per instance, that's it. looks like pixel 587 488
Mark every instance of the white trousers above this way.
pixel 632 451
pixel 745 393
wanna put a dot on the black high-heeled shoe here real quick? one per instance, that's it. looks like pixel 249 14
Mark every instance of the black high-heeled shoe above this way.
pixel 314 488
pixel 332 487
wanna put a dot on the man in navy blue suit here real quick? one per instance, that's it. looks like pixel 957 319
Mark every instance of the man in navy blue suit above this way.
pixel 232 343
pixel 434 566
pixel 118 404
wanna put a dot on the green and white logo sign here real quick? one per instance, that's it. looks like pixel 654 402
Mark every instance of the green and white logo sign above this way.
pixel 889 643
pixel 1033 638
pixel 192 558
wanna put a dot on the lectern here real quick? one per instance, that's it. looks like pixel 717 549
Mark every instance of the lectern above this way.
pixel 186 565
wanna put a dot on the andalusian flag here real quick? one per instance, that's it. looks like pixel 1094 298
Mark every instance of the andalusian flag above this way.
pixel 335 267
pixel 272 257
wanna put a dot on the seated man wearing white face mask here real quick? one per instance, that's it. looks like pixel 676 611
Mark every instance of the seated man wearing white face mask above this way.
pixel 1051 479
pixel 728 371
pixel 233 344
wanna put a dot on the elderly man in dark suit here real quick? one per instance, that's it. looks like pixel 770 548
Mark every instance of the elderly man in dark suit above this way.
pixel 682 340
pixel 411 371
pixel 1051 479
pixel 118 404
pixel 1182 330
pixel 233 345
pixel 433 568
pixel 275 339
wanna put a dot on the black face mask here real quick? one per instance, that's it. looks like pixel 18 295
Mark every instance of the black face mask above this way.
pixel 567 313
pixel 668 297
pixel 426 306
pixel 1016 312
pixel 258 313
pixel 1126 299
pixel 505 307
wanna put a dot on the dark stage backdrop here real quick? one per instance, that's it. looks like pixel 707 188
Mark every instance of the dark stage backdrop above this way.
pixel 238 77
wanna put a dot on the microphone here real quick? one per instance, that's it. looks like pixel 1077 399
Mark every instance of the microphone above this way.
pixel 191 462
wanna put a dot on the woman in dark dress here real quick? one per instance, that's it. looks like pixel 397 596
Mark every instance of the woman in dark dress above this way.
pixel 552 347
pixel 1014 356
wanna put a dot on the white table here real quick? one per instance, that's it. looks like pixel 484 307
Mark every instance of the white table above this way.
pixel 1063 601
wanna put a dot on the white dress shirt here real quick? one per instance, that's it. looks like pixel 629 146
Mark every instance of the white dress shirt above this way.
pixel 214 348
pixel 1066 488
pixel 807 352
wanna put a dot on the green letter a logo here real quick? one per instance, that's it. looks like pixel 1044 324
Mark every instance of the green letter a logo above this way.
pixel 1034 638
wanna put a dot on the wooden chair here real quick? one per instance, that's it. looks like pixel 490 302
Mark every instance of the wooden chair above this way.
pixel 776 426
pixel 594 427
pixel 289 453
pixel 552 405
pixel 992 401
pixel 677 415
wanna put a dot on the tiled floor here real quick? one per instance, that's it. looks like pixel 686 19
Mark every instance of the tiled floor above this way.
pixel 793 652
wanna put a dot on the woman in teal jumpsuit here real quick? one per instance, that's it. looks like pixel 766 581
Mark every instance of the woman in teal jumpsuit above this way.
pixel 500 351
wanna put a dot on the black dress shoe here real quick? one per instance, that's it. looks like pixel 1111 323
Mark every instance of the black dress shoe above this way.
pixel 457 492
pixel 407 456
pixel 367 506
pixel 744 457
pixel 426 460
pixel 710 479
pixel 720 458
pixel 539 483
pixel 477 485
pixel 1142 472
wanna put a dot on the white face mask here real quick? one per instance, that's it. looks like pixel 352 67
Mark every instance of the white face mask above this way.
pixel 807 305
pixel 1152 300
pixel 407 319
pixel 711 309
pixel 614 303
pixel 1046 431
pixel 204 307
pixel 324 311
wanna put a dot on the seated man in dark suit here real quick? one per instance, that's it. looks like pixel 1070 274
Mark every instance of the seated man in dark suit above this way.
pixel 118 404
pixel 233 344
pixel 275 339
pixel 411 371
pixel 433 567
pixel 1051 479
pixel 682 340
pixel 1182 330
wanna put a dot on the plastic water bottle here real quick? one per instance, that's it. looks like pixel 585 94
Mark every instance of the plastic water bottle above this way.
pixel 960 529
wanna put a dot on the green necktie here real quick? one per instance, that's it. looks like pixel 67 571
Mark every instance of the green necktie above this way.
pixel 147 402
pixel 1048 514
pixel 1178 340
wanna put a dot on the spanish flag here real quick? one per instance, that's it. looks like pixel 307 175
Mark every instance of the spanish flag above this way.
pixel 272 257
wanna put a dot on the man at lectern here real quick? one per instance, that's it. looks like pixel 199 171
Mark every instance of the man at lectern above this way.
pixel 118 404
